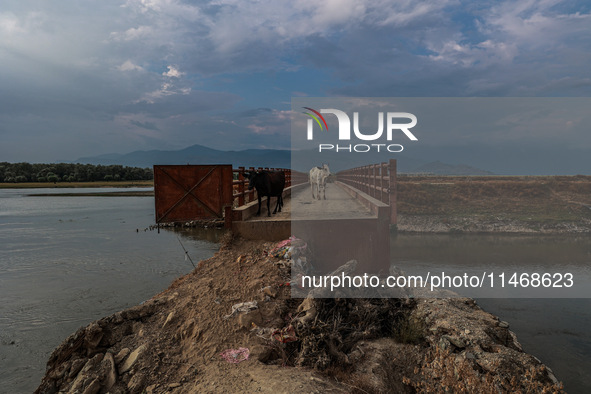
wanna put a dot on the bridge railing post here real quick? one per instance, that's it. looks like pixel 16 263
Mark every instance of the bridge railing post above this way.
pixel 360 175
pixel 241 186
pixel 366 180
pixel 392 191
pixel 381 174
pixel 251 193
pixel 375 181
pixel 260 169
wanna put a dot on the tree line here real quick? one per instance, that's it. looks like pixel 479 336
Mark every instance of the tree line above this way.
pixel 70 172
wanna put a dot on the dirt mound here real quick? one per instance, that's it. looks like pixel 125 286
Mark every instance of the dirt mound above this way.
pixel 231 326
pixel 173 341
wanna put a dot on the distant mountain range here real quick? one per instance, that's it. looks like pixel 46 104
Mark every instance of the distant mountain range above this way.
pixel 199 154
pixel 195 154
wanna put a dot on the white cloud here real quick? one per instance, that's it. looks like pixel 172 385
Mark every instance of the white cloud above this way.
pixel 484 53
pixel 534 23
pixel 166 8
pixel 400 13
pixel 133 33
pixel 278 24
pixel 173 72
pixel 166 89
pixel 268 122
pixel 10 24
pixel 128 65
pixel 521 48
pixel 326 14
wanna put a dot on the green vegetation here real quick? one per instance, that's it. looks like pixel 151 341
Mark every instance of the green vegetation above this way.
pixel 21 173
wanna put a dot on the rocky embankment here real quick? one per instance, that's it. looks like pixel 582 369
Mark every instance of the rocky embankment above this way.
pixel 467 224
pixel 231 326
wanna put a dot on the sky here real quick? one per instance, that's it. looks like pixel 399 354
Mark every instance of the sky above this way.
pixel 82 78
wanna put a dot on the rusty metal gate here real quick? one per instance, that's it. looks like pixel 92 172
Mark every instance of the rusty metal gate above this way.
pixel 191 192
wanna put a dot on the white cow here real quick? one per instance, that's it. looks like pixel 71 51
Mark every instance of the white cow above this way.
pixel 317 179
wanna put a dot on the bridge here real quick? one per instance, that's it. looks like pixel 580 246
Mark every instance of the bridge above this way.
pixel 353 222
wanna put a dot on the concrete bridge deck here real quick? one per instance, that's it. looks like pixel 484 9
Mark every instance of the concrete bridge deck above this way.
pixel 300 205
pixel 347 225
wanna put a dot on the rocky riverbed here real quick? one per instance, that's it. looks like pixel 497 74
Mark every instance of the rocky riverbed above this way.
pixel 497 224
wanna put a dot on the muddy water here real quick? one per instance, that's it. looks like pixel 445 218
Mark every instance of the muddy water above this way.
pixel 66 261
pixel 556 330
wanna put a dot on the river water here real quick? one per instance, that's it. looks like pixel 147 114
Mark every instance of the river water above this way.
pixel 66 261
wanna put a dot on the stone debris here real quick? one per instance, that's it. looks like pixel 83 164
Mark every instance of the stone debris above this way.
pixel 168 319
pixel 121 355
pixel 242 307
pixel 111 373
pixel 268 290
pixel 457 342
pixel 131 359
pixel 136 384
pixel 76 367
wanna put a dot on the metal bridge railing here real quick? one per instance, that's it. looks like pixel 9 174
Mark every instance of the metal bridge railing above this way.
pixel 376 180
pixel 243 196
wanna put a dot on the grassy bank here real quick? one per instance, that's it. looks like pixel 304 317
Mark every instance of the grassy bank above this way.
pixel 33 185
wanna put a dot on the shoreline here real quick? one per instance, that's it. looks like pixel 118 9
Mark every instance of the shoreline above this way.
pixel 149 193
pixel 173 341
pixel 448 224
pixel 72 185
